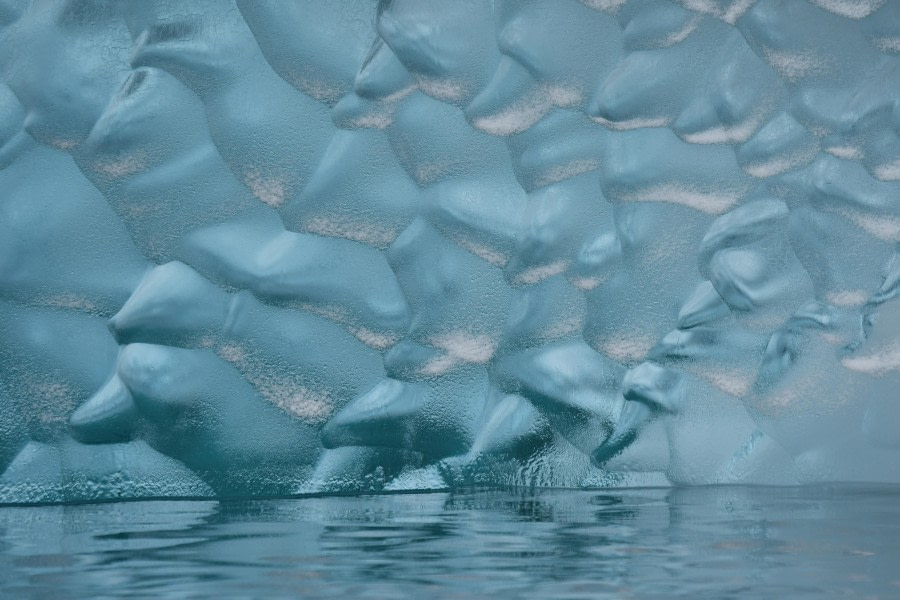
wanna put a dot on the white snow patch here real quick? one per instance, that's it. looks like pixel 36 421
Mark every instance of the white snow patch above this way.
pixel 70 301
pixel 887 44
pixel 724 134
pixel 833 339
pixel 845 152
pixel 780 164
pixel 445 90
pixel 713 203
pixel 793 65
pixel 571 169
pixel 373 339
pixel 400 94
pixel 888 171
pixel 310 406
pixel 586 284
pixel 332 312
pixel 732 382
pixel 563 328
pixel 881 362
pixel 564 96
pixel 423 478
pixel 318 89
pixel 515 119
pixel 438 366
pixel 233 354
pixel 882 227
pixel 370 234
pixel 50 400
pixel 374 120
pixel 676 37
pixel 710 7
pixel 430 172
pixel 852 9
pixel 269 190
pixel 63 144
pixel 459 347
pixel 539 273
pixel 736 11
pixel 465 346
pixel 626 346
pixel 638 123
pixel 610 6
pixel 122 166
pixel 847 298
pixel 521 115
pixel 482 251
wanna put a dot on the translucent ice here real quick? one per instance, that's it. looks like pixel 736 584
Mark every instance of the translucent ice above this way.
pixel 252 248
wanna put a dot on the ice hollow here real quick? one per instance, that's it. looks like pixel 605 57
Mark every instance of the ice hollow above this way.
pixel 252 249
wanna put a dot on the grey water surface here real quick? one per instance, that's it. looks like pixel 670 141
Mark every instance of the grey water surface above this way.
pixel 837 541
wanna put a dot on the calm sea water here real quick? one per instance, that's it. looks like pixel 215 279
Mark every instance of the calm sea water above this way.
pixel 720 542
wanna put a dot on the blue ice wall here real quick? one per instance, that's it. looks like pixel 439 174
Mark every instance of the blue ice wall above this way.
pixel 261 247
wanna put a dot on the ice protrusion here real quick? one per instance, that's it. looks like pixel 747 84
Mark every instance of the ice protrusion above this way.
pixel 173 304
pixel 704 305
pixel 182 183
pixel 511 427
pixel 656 25
pixel 650 88
pixel 481 216
pixel 248 445
pixel 803 396
pixel 731 108
pixel 273 148
pixel 755 284
pixel 435 418
pixel 108 416
pixel 300 271
pixel 54 359
pixel 381 83
pixel 715 184
pixel 780 145
pixel 597 261
pixel 492 113
pixel 747 256
pixel 528 84
pixel 448 49
pixel 648 391
pixel 843 206
pixel 444 294
pixel 574 387
pixel 358 192
pixel 318 54
pixel 545 312
pixel 63 87
pixel 260 341
pixel 556 223
pixel 811 49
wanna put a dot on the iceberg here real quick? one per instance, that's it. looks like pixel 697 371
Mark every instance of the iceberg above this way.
pixel 252 248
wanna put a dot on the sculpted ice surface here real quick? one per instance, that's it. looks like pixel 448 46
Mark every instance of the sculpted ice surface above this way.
pixel 253 248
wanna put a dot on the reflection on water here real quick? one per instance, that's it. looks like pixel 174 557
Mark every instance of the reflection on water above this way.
pixel 838 541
